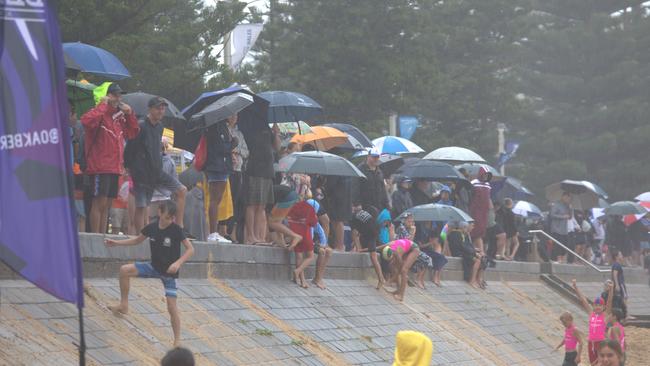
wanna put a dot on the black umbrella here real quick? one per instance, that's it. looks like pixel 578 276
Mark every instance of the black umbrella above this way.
pixel 318 162
pixel 434 171
pixel 252 118
pixel 358 140
pixel 390 163
pixel 139 102
pixel 221 109
pixel 511 188
pixel 286 106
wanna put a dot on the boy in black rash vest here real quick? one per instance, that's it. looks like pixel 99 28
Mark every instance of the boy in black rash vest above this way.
pixel 365 234
pixel 165 238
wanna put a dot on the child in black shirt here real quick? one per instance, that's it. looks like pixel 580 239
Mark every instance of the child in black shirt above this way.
pixel 165 238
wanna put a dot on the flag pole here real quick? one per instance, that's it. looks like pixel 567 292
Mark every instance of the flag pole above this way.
pixel 82 338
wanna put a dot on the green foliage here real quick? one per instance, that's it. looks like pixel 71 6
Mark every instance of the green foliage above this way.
pixel 167 45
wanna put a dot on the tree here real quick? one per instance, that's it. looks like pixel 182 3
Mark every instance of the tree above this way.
pixel 167 45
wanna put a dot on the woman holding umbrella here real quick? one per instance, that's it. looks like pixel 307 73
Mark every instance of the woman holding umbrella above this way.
pixel 218 166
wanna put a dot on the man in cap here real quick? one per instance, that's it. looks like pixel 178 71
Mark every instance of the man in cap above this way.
pixel 372 189
pixel 105 128
pixel 143 158
pixel 401 198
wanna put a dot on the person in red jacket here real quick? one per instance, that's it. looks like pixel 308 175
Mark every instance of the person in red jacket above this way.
pixel 105 127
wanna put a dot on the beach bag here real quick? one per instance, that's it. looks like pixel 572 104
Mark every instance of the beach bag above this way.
pixel 201 154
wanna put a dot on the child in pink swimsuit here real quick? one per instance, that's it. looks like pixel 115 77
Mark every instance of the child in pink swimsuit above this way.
pixel 400 254
pixel 597 320
pixel 572 341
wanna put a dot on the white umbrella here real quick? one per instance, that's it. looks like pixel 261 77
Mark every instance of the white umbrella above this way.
pixel 437 212
pixel 455 155
pixel 526 209
pixel 582 196
pixel 645 197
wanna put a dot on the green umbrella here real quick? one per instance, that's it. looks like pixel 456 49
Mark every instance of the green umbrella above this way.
pixel 81 95
pixel 625 208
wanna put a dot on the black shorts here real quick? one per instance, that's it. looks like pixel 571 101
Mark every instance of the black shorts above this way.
pixel 493 231
pixel 570 358
pixel 368 242
pixel 102 185
pixel 558 250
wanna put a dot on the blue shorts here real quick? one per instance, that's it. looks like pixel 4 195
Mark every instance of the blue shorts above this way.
pixel 216 176
pixel 146 270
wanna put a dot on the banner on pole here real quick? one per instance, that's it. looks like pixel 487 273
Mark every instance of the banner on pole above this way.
pixel 242 39
pixel 407 126
pixel 38 236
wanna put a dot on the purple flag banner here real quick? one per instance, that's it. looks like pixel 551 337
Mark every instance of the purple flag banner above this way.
pixel 38 236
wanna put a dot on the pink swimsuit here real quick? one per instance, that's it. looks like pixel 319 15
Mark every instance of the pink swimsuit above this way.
pixel 597 327
pixel 570 341
pixel 404 245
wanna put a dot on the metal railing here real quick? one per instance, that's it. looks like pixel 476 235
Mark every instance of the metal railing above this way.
pixel 587 262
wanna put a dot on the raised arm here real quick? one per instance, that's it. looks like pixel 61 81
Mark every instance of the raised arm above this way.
pixel 93 117
pixel 125 242
pixel 582 298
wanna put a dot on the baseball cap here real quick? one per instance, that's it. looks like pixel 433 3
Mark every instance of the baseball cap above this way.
pixel 157 101
pixel 374 151
pixel 114 88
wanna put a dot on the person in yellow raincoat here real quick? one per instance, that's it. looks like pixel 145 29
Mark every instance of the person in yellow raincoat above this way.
pixel 412 349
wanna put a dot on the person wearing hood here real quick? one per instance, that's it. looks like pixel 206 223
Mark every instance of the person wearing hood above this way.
pixel 412 349
pixel 401 198
pixel 480 205
pixel 445 196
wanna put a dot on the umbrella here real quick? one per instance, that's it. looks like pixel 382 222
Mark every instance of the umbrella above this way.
pixel 437 212
pixel 251 118
pixel 511 188
pixel 432 170
pixel 455 155
pixel 286 106
pixel 81 95
pixel 139 102
pixel 643 197
pixel 595 188
pixel 395 145
pixel 95 60
pixel 473 168
pixel 70 64
pixel 318 162
pixel 602 203
pixel 220 109
pixel 631 219
pixel 360 142
pixel 623 208
pixel 292 128
pixel 389 164
pixel 526 209
pixel 322 138
pixel 583 197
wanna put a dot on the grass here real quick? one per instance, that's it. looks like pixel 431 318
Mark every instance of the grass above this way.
pixel 263 332
pixel 243 321
pixel 297 342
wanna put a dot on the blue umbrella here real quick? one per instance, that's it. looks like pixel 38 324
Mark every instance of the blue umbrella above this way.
pixel 250 118
pixel 511 188
pixel 286 106
pixel 95 60
pixel 393 145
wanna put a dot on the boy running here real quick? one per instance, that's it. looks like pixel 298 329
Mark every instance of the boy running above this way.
pixel 165 238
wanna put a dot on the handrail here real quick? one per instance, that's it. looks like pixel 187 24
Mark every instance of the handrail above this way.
pixel 593 266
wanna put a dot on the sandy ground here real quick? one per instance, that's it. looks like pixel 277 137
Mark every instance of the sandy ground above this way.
pixel 637 342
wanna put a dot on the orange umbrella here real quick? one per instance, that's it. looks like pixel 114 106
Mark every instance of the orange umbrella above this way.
pixel 322 137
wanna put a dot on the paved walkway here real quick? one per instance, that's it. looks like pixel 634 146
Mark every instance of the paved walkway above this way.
pixel 244 322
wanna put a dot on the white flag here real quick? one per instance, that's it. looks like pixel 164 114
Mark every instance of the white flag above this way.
pixel 242 39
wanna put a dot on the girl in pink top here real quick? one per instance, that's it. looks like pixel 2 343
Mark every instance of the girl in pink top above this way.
pixel 616 332
pixel 400 254
pixel 572 338
pixel 597 320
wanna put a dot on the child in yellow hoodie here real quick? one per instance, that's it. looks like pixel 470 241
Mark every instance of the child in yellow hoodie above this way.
pixel 412 349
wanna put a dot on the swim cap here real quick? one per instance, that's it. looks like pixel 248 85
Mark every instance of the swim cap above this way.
pixel 387 253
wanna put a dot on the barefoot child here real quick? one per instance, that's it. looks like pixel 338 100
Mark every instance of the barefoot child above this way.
pixel 165 238
pixel 285 198
pixel 302 217
pixel 365 235
pixel 572 338
pixel 400 254
pixel 597 320
pixel 322 250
